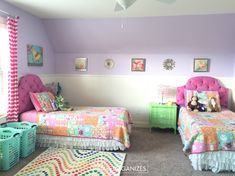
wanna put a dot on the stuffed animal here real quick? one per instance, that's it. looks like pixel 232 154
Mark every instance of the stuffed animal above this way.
pixel 193 104
pixel 202 107
pixel 212 105
pixel 61 104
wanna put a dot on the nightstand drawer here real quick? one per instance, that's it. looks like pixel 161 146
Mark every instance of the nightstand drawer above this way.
pixel 166 121
pixel 160 113
pixel 162 117
pixel 160 110
pixel 165 113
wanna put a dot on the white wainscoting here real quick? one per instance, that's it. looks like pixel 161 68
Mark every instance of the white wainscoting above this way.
pixel 133 92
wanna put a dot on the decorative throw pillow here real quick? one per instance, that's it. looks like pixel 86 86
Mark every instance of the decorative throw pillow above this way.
pixel 42 101
pixel 188 94
pixel 207 99
pixel 213 101
pixel 52 101
pixel 35 101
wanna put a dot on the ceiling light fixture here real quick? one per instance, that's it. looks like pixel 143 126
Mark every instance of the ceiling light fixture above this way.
pixel 124 4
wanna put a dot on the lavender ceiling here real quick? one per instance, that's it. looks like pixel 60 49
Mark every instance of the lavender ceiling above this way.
pixel 179 34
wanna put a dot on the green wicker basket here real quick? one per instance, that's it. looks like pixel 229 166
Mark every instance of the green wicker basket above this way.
pixel 28 138
pixel 9 147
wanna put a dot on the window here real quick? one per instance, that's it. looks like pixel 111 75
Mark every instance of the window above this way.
pixel 4 65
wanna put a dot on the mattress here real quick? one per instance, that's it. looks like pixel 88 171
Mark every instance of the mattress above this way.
pixel 207 131
pixel 109 123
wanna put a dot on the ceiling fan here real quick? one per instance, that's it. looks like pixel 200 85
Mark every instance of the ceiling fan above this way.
pixel 124 4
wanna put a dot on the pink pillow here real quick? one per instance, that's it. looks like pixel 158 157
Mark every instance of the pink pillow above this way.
pixel 204 98
pixel 42 101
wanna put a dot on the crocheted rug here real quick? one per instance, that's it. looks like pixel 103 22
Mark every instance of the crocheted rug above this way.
pixel 60 161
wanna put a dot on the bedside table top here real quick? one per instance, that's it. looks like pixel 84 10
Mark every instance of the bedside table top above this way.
pixel 162 105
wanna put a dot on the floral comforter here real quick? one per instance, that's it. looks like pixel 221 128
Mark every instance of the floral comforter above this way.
pixel 89 122
pixel 207 131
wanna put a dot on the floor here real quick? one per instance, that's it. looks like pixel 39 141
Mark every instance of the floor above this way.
pixel 158 153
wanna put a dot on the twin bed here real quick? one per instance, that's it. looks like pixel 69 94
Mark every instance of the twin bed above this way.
pixel 100 128
pixel 208 137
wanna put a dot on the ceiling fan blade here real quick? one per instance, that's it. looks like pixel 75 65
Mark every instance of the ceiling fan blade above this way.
pixel 167 1
pixel 123 4
pixel 118 7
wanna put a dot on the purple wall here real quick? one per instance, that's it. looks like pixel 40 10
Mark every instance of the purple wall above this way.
pixel 31 31
pixel 234 65
pixel 161 35
pixel 181 38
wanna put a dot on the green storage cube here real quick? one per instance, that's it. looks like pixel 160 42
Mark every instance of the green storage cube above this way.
pixel 162 116
pixel 28 138
pixel 9 147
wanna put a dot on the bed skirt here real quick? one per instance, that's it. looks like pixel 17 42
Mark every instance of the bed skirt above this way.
pixel 81 143
pixel 216 161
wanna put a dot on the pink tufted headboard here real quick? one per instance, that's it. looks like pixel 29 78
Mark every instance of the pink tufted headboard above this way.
pixel 201 83
pixel 28 83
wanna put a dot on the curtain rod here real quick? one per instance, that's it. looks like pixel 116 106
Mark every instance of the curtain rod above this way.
pixel 1 11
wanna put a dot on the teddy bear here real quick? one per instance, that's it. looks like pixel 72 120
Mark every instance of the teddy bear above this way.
pixel 202 107
pixel 212 105
pixel 193 104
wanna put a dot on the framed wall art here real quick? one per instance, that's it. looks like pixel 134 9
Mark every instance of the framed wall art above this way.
pixel 201 65
pixel 81 64
pixel 138 64
pixel 34 55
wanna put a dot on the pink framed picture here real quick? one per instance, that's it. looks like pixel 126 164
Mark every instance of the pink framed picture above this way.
pixel 138 64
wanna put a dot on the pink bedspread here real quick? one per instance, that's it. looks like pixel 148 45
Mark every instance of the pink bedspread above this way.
pixel 89 122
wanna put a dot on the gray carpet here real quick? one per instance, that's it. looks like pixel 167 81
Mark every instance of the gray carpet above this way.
pixel 151 154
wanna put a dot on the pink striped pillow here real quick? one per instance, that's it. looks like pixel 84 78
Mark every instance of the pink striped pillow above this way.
pixel 42 101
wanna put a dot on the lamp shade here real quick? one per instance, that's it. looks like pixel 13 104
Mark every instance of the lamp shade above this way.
pixel 166 93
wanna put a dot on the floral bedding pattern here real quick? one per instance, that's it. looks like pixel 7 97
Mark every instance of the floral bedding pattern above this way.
pixel 89 122
pixel 207 131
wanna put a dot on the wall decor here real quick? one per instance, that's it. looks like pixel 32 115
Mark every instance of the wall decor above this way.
pixel 34 55
pixel 201 65
pixel 109 63
pixel 81 64
pixel 168 64
pixel 138 64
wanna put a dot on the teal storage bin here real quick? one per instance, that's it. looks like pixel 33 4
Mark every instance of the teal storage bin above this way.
pixel 28 137
pixel 9 147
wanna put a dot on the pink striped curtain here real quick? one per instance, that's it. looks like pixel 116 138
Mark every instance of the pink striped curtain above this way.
pixel 13 98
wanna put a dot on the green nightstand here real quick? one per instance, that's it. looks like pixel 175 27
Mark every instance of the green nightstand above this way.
pixel 162 116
